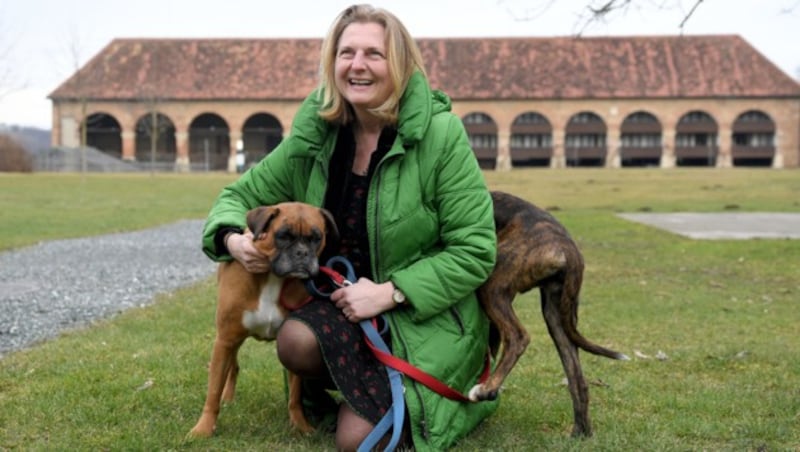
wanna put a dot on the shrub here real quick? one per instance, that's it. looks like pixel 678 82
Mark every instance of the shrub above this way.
pixel 13 157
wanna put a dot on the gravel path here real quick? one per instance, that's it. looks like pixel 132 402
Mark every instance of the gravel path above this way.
pixel 64 284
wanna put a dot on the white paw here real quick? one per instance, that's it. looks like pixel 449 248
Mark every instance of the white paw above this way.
pixel 473 393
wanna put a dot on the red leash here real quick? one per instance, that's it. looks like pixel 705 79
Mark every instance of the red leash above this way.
pixel 392 361
pixel 423 377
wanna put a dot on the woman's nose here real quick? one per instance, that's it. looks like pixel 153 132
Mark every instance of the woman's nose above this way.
pixel 359 61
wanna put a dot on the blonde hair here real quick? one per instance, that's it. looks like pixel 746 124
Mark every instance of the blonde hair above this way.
pixel 402 55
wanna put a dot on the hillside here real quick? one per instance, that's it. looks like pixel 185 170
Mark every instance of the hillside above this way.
pixel 31 138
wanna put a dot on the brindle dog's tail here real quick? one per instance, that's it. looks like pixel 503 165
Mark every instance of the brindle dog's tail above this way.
pixel 561 301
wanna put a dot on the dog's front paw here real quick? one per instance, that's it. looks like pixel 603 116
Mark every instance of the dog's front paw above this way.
pixel 299 422
pixel 201 431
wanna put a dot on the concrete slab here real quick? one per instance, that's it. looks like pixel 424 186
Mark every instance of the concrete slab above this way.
pixel 727 225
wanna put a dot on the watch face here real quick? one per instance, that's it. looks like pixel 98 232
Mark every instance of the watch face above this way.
pixel 398 296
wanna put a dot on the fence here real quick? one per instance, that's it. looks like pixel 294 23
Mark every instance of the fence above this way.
pixel 64 159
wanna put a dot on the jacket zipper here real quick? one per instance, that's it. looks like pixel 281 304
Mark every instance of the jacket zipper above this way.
pixel 423 423
pixel 457 316
pixel 375 256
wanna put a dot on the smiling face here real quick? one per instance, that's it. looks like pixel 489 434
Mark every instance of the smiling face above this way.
pixel 362 71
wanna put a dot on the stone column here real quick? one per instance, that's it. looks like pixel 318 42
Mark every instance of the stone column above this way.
pixel 503 150
pixel 182 164
pixel 128 145
pixel 613 143
pixel 668 148
pixel 235 142
pixel 725 154
pixel 559 159
pixel 777 159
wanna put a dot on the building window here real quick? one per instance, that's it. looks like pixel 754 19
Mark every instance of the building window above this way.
pixel 585 140
pixel 531 118
pixel 695 139
pixel 478 118
pixel 531 141
pixel 584 118
pixel 694 117
pixel 641 140
pixel 753 116
pixel 641 117
pixel 753 139
pixel 481 140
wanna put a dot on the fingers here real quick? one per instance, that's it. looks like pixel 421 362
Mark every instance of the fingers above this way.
pixel 358 301
pixel 241 247
pixel 350 316
pixel 342 299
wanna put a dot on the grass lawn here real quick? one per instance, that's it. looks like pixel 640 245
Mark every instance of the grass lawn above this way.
pixel 722 315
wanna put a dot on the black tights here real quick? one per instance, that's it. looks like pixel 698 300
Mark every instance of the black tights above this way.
pixel 299 352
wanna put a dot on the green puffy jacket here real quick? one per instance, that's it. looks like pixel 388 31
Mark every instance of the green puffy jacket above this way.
pixel 431 232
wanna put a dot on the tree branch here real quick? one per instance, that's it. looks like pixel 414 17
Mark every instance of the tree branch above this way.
pixel 689 15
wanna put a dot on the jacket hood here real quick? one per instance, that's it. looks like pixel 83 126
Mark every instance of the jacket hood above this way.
pixel 417 106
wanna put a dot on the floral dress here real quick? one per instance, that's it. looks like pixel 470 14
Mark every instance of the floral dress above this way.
pixel 362 381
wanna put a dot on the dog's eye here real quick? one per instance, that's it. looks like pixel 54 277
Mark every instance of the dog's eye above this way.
pixel 315 238
pixel 284 237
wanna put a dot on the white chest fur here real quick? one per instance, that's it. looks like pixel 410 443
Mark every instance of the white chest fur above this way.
pixel 265 321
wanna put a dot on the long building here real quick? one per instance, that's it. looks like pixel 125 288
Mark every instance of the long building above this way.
pixel 213 104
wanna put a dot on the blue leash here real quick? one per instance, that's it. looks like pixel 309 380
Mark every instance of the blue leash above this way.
pixel 393 419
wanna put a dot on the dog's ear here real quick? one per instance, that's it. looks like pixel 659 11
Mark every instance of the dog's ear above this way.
pixel 331 230
pixel 258 219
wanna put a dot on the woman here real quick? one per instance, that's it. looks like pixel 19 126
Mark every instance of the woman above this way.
pixel 381 151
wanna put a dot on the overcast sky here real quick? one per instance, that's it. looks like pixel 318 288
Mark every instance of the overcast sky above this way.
pixel 44 41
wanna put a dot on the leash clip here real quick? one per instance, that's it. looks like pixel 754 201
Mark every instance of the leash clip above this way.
pixel 333 277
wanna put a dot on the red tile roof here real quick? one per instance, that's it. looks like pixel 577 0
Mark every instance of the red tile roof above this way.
pixel 466 68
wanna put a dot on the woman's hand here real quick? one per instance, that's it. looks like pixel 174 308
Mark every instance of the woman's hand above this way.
pixel 241 248
pixel 364 300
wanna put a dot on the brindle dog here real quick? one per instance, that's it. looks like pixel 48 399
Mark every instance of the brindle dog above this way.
pixel 535 250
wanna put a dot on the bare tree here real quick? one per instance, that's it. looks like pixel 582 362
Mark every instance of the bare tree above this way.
pixel 791 8
pixel 74 52
pixel 81 85
pixel 6 74
pixel 9 78
pixel 605 11
pixel 149 93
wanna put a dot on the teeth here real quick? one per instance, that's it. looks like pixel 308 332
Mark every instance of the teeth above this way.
pixel 360 82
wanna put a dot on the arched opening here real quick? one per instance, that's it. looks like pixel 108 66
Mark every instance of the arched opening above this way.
pixel 531 140
pixel 585 140
pixel 640 140
pixel 261 134
pixel 209 143
pixel 155 141
pixel 482 131
pixel 104 132
pixel 696 140
pixel 753 139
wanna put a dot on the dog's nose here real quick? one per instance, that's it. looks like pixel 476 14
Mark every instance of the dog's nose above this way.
pixel 301 252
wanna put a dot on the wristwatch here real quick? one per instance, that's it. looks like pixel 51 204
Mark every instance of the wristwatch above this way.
pixel 398 296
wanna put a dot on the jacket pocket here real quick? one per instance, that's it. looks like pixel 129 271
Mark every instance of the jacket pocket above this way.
pixel 458 319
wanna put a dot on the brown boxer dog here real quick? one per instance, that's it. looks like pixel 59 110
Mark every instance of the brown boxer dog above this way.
pixel 291 235
pixel 535 250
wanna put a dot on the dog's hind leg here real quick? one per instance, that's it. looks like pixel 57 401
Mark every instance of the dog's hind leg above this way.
pixel 496 300
pixel 551 294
